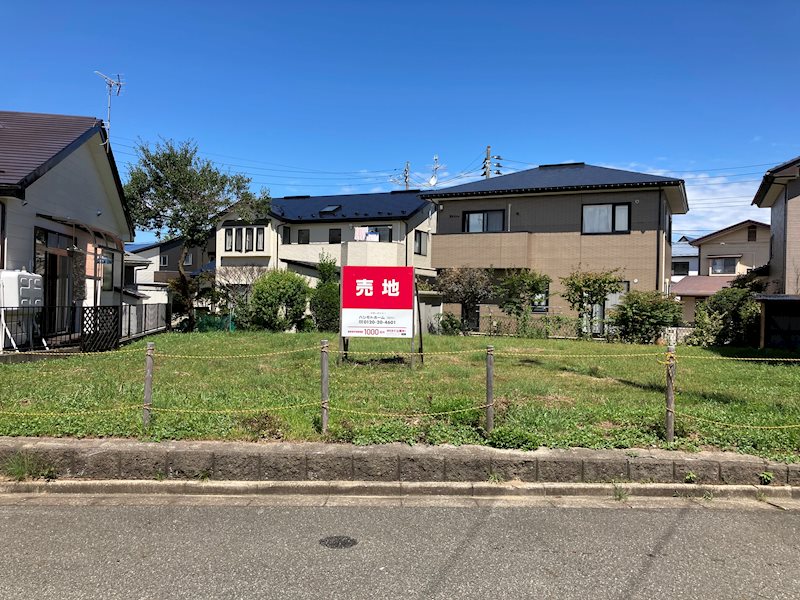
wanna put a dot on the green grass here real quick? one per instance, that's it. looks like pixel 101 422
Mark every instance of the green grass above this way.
pixel 602 401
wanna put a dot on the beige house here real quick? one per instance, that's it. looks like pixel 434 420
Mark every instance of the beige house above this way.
pixel 389 229
pixel 557 218
pixel 780 311
pixel 723 255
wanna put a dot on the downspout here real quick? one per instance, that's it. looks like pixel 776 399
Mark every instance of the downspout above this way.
pixel 658 239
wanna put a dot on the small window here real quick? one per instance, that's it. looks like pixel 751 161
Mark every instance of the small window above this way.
pixel 286 235
pixel 752 233
pixel 680 268
pixel 606 218
pixel 486 221
pixel 163 260
pixel 228 239
pixel 259 239
pixel 248 239
pixel 108 272
pixel 187 260
pixel 334 236
pixel 421 243
pixel 303 236
pixel 724 266
pixel 238 245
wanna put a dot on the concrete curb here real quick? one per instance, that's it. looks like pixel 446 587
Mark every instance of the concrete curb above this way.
pixel 399 489
pixel 124 459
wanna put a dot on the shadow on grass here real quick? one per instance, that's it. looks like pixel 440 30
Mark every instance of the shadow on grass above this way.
pixel 386 360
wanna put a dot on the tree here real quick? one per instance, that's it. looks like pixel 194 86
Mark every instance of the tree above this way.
pixel 279 300
pixel 325 299
pixel 739 314
pixel 584 289
pixel 642 316
pixel 465 286
pixel 520 290
pixel 235 286
pixel 173 191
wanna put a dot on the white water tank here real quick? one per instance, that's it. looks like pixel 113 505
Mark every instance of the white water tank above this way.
pixel 20 289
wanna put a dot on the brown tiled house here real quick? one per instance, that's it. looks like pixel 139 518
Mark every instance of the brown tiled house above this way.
pixel 780 313
pixel 556 218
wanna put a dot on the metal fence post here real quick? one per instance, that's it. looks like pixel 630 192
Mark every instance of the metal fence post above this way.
pixel 324 391
pixel 489 388
pixel 148 384
pixel 670 394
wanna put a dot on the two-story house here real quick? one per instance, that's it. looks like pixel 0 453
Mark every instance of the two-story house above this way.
pixel 685 259
pixel 558 218
pixel 780 311
pixel 389 229
pixel 722 255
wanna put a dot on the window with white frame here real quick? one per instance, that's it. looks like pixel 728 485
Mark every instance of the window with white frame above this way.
pixel 187 260
pixel 724 265
pixel 248 239
pixel 237 246
pixel 163 260
pixel 421 243
pixel 606 218
pixel 229 239
pixel 260 239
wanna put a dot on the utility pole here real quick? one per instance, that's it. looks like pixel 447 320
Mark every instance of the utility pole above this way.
pixel 487 163
pixel 111 85
pixel 407 175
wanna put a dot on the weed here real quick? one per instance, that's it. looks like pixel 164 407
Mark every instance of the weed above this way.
pixel 264 426
pixel 761 496
pixel 690 477
pixel 766 477
pixel 620 493
pixel 160 476
pixel 204 475
pixel 23 465
pixel 495 478
pixel 708 495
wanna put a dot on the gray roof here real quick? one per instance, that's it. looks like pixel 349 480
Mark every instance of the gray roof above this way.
pixel 684 249
pixel 383 206
pixel 566 177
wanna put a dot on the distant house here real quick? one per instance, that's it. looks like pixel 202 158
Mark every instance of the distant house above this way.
pixel 64 217
pixel 387 229
pixel 780 313
pixel 722 255
pixel 556 218
pixel 685 259
pixel 163 257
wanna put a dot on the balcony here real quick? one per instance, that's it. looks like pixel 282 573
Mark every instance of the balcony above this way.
pixel 480 250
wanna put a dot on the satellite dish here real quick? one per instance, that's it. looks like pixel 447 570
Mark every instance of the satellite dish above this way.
pixel 432 181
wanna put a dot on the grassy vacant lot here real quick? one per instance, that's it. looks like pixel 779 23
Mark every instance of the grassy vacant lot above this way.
pixel 543 398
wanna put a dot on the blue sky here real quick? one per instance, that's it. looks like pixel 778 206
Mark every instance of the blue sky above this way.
pixel 323 97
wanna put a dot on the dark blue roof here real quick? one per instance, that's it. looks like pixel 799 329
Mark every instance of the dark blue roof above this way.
pixel 353 207
pixel 568 176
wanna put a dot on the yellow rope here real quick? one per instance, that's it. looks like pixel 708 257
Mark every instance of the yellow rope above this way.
pixel 635 355
pixel 743 426
pixel 404 415
pixel 739 358
pixel 215 356
pixel 222 411
pixel 72 413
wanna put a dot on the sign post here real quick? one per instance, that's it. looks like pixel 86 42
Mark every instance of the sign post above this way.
pixel 377 302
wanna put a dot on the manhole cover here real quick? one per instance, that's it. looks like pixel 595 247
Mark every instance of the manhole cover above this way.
pixel 338 541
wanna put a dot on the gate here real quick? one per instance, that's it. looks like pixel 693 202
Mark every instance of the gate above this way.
pixel 100 328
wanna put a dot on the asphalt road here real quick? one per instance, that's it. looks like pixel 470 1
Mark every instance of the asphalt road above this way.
pixel 245 547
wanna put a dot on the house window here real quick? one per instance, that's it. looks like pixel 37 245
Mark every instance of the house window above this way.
pixel 383 233
pixel 228 239
pixel 238 243
pixel 606 218
pixel 484 221
pixel 421 243
pixel 286 235
pixel 108 271
pixel 163 260
pixel 751 233
pixel 248 239
pixel 334 236
pixel 725 265
pixel 680 268
pixel 187 260
pixel 260 239
pixel 303 236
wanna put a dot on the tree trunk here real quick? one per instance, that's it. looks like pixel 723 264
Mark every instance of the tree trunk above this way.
pixel 185 289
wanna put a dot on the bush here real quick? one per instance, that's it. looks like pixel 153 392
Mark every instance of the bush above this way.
pixel 279 299
pixel 729 317
pixel 448 324
pixel 640 317
pixel 325 306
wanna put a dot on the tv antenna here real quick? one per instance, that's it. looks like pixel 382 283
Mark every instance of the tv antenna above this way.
pixel 435 175
pixel 114 88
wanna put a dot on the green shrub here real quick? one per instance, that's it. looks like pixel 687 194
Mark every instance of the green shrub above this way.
pixel 707 328
pixel 279 299
pixel 729 317
pixel 448 324
pixel 514 438
pixel 640 317
pixel 325 306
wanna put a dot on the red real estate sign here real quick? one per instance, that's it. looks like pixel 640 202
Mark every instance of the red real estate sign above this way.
pixel 377 302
